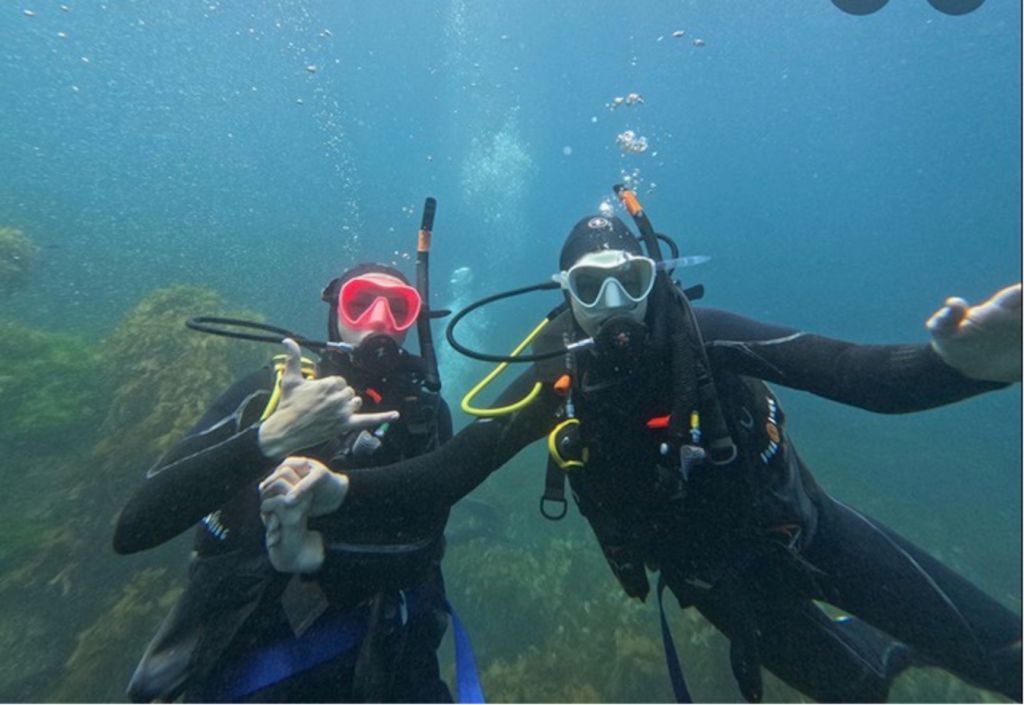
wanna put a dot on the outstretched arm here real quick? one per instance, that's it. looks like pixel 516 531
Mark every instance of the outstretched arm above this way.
pixel 888 379
pixel 443 477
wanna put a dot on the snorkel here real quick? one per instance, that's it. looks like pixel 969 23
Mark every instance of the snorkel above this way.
pixel 431 377
pixel 694 387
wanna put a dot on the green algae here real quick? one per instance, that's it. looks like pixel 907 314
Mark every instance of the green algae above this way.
pixel 161 376
pixel 83 419
pixel 49 385
pixel 92 672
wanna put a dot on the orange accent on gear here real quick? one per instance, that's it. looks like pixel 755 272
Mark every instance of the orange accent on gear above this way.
pixel 563 385
pixel 629 200
pixel 423 242
pixel 773 431
pixel 659 422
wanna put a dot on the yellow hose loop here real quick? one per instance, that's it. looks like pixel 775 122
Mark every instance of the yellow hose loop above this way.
pixel 308 371
pixel 511 408
pixel 553 447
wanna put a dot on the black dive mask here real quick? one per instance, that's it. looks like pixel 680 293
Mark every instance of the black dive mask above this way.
pixel 378 355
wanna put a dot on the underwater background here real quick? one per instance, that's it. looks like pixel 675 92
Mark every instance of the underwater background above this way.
pixel 844 174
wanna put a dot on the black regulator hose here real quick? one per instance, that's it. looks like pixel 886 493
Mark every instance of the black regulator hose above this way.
pixel 462 349
pixel 217 325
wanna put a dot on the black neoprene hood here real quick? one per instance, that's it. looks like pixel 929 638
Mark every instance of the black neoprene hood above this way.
pixel 594 233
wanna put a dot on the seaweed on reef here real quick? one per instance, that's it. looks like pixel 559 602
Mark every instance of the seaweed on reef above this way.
pixel 547 628
pixel 549 622
pixel 19 257
pixel 161 376
pixel 551 625
pixel 48 386
pixel 93 672
pixel 26 546
pixel 26 673
pixel 147 383
pixel 150 380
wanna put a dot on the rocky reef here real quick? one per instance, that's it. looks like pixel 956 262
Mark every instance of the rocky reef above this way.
pixel 49 387
pixel 161 376
pixel 82 420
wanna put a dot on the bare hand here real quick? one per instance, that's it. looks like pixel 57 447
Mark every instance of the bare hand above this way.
pixel 981 342
pixel 312 411
pixel 305 480
pixel 291 546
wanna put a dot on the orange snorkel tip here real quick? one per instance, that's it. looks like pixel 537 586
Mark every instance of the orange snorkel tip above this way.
pixel 628 200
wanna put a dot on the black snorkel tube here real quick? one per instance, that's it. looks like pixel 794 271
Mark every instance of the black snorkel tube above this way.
pixel 431 377
pixel 695 389
pixel 643 224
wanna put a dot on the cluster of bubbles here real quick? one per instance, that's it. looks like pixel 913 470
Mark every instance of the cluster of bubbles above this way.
pixel 631 143
pixel 628 100
pixel 635 181
pixel 495 174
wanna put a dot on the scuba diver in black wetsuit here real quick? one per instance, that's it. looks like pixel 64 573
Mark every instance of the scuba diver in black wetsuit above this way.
pixel 677 454
pixel 289 600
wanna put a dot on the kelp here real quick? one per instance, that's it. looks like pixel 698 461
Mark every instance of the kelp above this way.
pixel 549 622
pixel 49 386
pixel 83 419
pixel 161 376
pixel 92 675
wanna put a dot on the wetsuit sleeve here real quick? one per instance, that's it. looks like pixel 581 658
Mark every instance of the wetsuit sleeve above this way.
pixel 444 476
pixel 891 379
pixel 216 459
pixel 444 422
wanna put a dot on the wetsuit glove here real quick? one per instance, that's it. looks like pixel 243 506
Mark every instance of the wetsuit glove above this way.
pixel 981 342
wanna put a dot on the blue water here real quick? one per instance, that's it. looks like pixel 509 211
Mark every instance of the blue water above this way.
pixel 844 174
